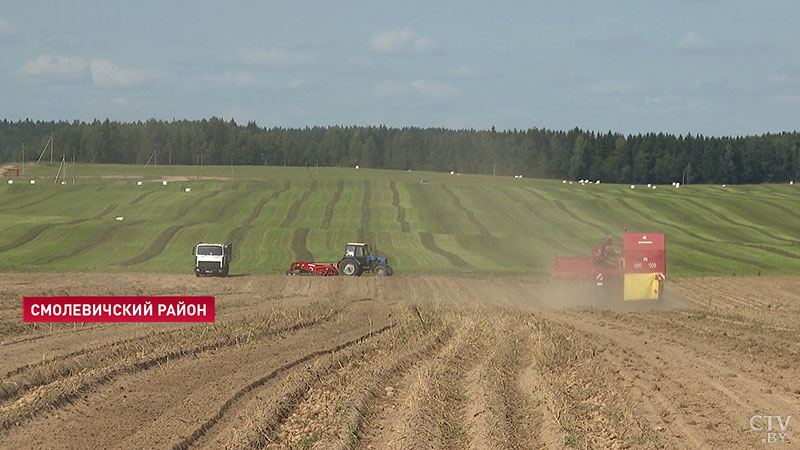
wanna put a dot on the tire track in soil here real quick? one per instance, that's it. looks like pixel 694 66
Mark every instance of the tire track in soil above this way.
pixel 695 247
pixel 237 234
pixel 470 214
pixel 427 241
pixel 132 367
pixel 291 215
pixel 140 198
pixel 33 233
pixel 337 195
pixel 299 238
pixel 657 408
pixel 401 212
pixel 574 216
pixel 366 214
pixel 727 219
pixel 240 394
pixel 735 391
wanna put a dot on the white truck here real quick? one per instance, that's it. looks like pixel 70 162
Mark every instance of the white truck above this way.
pixel 212 259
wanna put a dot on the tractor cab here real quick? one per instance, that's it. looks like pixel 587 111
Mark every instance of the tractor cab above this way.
pixel 358 259
pixel 357 250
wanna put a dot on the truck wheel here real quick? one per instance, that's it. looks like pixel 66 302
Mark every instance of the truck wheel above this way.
pixel 380 270
pixel 349 268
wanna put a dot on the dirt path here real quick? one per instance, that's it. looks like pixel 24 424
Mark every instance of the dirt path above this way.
pixel 402 362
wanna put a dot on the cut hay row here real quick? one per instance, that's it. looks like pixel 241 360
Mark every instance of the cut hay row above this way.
pixel 469 213
pixel 328 215
pixel 291 216
pixel 741 229
pixel 401 212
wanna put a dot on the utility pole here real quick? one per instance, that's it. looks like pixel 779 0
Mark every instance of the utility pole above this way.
pixel 73 167
pixel 23 159
pixel 52 144
pixel 494 172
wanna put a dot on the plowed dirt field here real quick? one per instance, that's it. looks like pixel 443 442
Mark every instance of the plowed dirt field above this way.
pixel 403 363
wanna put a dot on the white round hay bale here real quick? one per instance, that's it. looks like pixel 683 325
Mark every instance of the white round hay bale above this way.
pixel 188 189
pixel 120 218
pixel 138 183
pixel 163 183
pixel 33 181
pixel 10 181
pixel 563 181
pixel 356 166
pixel 633 186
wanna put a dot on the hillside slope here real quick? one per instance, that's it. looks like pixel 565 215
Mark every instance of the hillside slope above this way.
pixel 456 224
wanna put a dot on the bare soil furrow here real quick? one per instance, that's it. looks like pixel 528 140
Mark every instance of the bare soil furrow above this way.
pixel 206 426
pixel 55 388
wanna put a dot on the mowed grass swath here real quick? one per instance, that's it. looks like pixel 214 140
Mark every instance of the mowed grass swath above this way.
pixel 467 224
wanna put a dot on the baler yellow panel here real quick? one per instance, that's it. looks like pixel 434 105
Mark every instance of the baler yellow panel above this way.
pixel 641 286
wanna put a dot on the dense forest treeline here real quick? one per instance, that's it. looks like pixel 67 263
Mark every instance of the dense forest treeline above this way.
pixel 540 153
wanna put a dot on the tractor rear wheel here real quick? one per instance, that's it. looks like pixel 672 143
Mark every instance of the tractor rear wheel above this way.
pixel 380 270
pixel 349 268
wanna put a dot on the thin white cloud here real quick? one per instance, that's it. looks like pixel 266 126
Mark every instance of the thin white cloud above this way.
pixel 107 74
pixel 464 71
pixel 294 84
pixel 783 78
pixel 433 88
pixel 610 87
pixel 274 57
pixel 404 40
pixel 5 27
pixel 425 88
pixel 62 66
pixel 787 99
pixel 693 42
pixel 239 78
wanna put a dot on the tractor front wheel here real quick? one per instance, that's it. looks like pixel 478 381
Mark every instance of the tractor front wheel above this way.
pixel 380 270
pixel 349 268
pixel 389 271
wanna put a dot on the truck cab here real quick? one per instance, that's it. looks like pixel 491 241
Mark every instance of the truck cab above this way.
pixel 212 259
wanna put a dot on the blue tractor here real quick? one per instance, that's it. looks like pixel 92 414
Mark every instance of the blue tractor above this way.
pixel 357 260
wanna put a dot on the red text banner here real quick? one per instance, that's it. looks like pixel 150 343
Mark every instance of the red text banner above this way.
pixel 118 309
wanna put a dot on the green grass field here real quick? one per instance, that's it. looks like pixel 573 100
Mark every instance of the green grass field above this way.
pixel 466 224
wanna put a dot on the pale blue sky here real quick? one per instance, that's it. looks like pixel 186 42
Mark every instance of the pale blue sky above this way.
pixel 687 66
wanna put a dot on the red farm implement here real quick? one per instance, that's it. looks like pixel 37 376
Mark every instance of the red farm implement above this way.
pixel 313 268
pixel 638 266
